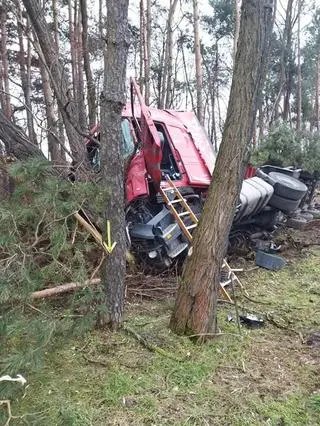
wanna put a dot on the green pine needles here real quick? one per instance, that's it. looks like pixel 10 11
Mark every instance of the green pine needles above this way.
pixel 41 246
pixel 284 147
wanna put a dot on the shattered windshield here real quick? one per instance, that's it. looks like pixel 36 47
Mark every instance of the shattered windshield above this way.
pixel 127 146
pixel 127 139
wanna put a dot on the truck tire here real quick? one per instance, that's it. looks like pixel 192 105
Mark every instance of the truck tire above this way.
pixel 287 186
pixel 284 204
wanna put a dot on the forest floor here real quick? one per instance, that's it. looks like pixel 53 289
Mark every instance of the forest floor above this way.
pixel 265 376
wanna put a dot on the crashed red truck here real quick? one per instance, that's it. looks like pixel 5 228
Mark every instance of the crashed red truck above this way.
pixel 159 143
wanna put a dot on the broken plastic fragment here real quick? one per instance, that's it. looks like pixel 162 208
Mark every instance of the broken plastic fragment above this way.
pixel 19 379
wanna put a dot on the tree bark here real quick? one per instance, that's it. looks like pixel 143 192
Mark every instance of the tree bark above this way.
pixel 317 95
pixel 59 79
pixel 299 89
pixel 237 8
pixel 25 72
pixel 142 45
pixel 198 60
pixel 16 141
pixel 112 169
pixel 51 116
pixel 195 310
pixel 147 59
pixel 91 89
pixel 286 54
pixel 187 80
pixel 82 111
pixel 289 64
pixel 61 132
pixel 169 60
pixel 164 101
pixel 4 66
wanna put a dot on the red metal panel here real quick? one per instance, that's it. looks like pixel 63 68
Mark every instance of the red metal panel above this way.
pixel 150 140
pixel 196 170
pixel 250 172
pixel 136 183
pixel 198 136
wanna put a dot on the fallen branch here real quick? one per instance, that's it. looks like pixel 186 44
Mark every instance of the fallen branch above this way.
pixel 64 288
pixel 149 287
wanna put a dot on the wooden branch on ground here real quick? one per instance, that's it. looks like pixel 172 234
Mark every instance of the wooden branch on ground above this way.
pixel 64 288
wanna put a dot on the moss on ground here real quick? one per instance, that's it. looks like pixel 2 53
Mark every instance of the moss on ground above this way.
pixel 266 376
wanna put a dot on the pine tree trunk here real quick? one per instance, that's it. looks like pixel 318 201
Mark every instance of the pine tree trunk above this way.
pixel 16 142
pixel 142 45
pixel 237 9
pixel 25 73
pixel 288 62
pixel 195 310
pixel 261 120
pixel 299 90
pixel 73 52
pixel 187 79
pixel 286 54
pixel 4 66
pixel 51 116
pixel 166 74
pixel 113 272
pixel 198 60
pixel 169 84
pixel 317 96
pixel 60 82
pixel 82 111
pixel 101 18
pixel 91 89
pixel 147 59
pixel 61 132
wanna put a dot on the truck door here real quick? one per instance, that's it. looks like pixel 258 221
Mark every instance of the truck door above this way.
pixel 150 140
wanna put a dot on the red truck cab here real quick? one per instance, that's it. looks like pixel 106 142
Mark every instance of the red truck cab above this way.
pixel 158 143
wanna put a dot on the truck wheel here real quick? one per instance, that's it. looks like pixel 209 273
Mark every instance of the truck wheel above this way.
pixel 288 187
pixel 284 204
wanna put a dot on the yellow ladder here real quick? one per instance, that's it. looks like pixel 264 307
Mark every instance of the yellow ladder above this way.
pixel 187 212
pixel 178 199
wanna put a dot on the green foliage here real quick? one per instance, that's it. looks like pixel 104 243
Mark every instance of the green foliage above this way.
pixel 280 148
pixel 311 158
pixel 222 21
pixel 284 147
pixel 263 377
pixel 42 246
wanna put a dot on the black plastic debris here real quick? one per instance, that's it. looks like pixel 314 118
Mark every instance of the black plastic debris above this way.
pixel 274 248
pixel 269 261
pixel 251 320
pixel 313 340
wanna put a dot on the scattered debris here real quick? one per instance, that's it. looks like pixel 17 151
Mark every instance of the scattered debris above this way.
pixel 19 379
pixel 313 339
pixel 297 223
pixel 250 320
pixel 269 261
